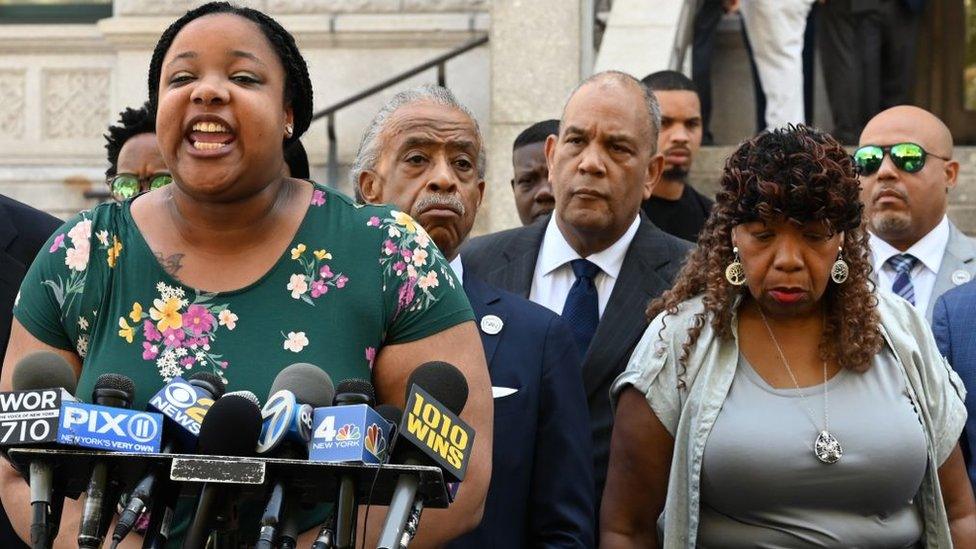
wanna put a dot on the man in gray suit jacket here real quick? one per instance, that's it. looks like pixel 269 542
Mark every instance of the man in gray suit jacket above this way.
pixel 596 260
pixel 918 253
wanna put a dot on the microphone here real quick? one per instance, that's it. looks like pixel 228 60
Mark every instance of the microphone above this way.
pixel 327 534
pixel 393 415
pixel 110 390
pixel 285 433
pixel 434 435
pixel 349 393
pixel 36 372
pixel 230 428
pixel 246 395
pixel 181 403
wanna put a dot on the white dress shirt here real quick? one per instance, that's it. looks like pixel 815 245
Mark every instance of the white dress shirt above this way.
pixel 458 268
pixel 554 275
pixel 929 250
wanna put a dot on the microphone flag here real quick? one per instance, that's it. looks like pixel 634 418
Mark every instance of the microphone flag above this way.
pixel 108 428
pixel 31 417
pixel 437 432
pixel 353 432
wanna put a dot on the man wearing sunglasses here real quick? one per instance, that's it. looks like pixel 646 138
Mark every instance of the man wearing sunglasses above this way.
pixel 135 163
pixel 906 170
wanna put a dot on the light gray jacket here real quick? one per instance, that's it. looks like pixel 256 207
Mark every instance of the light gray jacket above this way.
pixel 959 260
pixel 687 400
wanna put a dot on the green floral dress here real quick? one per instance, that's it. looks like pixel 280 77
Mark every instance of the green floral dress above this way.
pixel 355 278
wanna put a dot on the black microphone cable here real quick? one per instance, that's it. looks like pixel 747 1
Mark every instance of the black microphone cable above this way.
pixel 393 415
pixel 326 537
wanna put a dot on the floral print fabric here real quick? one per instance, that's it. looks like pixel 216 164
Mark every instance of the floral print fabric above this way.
pixel 354 279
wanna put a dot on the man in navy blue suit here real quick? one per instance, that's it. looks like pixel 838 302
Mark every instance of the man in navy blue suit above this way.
pixel 23 230
pixel 424 153
pixel 954 323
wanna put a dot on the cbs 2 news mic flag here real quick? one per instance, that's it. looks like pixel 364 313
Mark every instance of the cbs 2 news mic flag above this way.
pixel 185 405
pixel 349 433
pixel 438 433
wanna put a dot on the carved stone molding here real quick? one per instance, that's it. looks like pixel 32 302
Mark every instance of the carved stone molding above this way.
pixel 276 7
pixel 446 5
pixel 170 7
pixel 76 103
pixel 13 85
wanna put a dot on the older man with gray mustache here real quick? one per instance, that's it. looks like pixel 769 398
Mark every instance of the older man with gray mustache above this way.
pixel 423 152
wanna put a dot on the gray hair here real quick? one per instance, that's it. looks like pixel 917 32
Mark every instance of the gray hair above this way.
pixel 650 101
pixel 370 146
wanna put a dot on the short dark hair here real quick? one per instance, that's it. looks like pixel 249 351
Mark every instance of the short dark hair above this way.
pixel 132 122
pixel 536 133
pixel 669 81
pixel 298 86
pixel 297 160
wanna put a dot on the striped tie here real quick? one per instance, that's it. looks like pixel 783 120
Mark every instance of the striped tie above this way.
pixel 903 265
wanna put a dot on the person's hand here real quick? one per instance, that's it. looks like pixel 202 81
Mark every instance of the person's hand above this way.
pixel 730 6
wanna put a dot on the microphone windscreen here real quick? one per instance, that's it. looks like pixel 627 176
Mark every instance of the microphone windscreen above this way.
pixel 116 382
pixel 44 370
pixel 246 394
pixel 442 381
pixel 356 386
pixel 309 383
pixel 390 413
pixel 230 428
pixel 213 383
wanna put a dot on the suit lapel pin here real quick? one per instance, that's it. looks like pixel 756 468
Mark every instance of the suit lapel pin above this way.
pixel 491 324
pixel 961 277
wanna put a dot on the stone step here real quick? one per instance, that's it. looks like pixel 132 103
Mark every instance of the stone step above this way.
pixel 710 162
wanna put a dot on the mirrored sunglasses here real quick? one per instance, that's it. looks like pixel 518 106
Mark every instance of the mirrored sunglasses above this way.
pixel 907 157
pixel 127 185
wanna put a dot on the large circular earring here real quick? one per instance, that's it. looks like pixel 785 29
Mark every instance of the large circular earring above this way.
pixel 735 273
pixel 840 270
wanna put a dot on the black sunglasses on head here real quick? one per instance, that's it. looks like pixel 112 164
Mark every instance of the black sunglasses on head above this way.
pixel 907 157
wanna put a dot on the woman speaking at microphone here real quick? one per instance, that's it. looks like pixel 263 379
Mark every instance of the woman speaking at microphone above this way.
pixel 775 400
pixel 236 270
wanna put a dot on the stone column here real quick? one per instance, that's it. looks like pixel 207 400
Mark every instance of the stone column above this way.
pixel 535 63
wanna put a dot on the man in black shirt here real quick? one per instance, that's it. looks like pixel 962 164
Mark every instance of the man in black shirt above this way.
pixel 675 206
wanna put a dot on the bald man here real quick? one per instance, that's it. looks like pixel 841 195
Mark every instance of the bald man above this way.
pixel 917 252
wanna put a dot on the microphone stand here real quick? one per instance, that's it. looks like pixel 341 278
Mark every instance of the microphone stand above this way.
pixel 413 524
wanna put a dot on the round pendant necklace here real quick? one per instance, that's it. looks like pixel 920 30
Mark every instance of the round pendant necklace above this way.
pixel 826 447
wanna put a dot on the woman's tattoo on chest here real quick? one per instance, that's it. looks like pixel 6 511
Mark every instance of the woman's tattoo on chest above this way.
pixel 171 263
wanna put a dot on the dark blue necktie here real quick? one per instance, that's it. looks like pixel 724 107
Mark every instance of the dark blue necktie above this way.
pixel 582 307
pixel 903 265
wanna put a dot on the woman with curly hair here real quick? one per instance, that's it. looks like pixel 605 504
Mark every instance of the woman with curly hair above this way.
pixel 776 400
